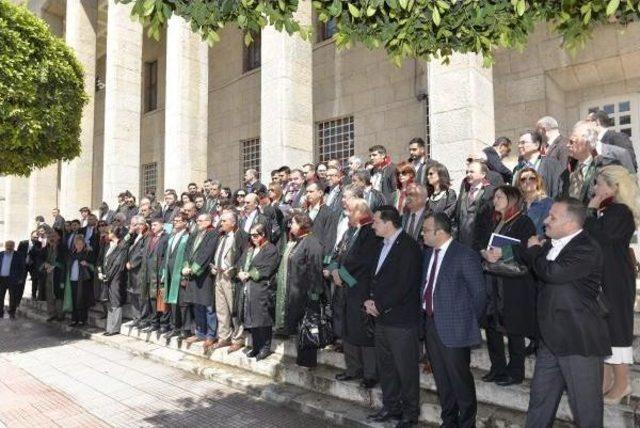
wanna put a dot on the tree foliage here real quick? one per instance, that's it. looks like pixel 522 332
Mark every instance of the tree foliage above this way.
pixel 41 94
pixel 405 28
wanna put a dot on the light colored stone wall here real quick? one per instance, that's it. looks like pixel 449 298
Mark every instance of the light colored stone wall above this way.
pixel 234 107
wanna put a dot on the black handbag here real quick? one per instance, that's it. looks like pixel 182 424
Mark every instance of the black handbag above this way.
pixel 510 269
pixel 316 329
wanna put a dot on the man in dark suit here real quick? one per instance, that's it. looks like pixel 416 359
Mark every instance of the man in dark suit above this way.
pixel 555 145
pixel 383 174
pixel 153 263
pixel 419 159
pixel 135 272
pixel 415 205
pixel 529 146
pixel 105 214
pixel 58 220
pixel 601 122
pixel 252 215
pixel 252 185
pixel 334 195
pixel 574 333
pixel 323 218
pixel 12 268
pixel 92 235
pixel 362 178
pixel 453 300
pixel 475 207
pixel 500 150
pixel 395 304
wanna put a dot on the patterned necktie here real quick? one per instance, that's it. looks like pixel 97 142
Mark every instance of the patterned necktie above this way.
pixel 576 182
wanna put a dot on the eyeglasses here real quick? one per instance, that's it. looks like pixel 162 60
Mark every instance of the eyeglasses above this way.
pixel 241 195
pixel 406 173
pixel 528 178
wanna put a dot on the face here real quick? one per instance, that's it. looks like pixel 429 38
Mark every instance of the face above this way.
pixel 224 193
pixel 78 244
pixel 250 204
pixel 353 166
pixel 185 199
pixel 75 226
pixel 322 171
pixel 526 146
pixel 199 202
pixel 9 245
pixel 432 177
pixel 215 190
pixel 203 222
pixel 275 177
pixel 500 201
pixel 84 214
pixel 556 221
pixel 179 224
pixel 129 200
pixel 314 194
pixel 578 145
pixel 415 200
pixel 474 173
pixel 295 228
pixel 381 227
pixel 156 227
pixel 240 198
pixel 169 199
pixel 333 177
pixel 192 188
pixel 415 151
pixel 141 227
pixel 226 223
pixel 297 178
pixel 346 197
pixel 376 157
pixel 257 239
pixel 358 181
pixel 429 232
pixel 603 190
pixel 528 181
pixel 145 210
pixel 92 220
pixel 504 150
pixel 248 177
pixel 55 212
pixel 406 177
pixel 308 172
pixel 206 186
pixel 190 210
pixel 284 177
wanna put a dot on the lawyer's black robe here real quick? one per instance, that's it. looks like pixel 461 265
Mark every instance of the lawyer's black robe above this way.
pixel 115 271
pixel 199 290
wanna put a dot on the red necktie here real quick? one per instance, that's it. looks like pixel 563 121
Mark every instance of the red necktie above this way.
pixel 428 294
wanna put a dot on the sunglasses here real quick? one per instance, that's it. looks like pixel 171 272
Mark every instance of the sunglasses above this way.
pixel 529 178
pixel 255 235
pixel 241 195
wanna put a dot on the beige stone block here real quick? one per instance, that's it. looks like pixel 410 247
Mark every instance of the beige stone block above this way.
pixel 531 88
pixel 631 64
pixel 628 38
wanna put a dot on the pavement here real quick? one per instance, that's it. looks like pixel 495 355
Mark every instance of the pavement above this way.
pixel 50 378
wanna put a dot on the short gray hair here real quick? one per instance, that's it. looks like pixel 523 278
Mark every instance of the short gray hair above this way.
pixel 589 133
pixel 548 122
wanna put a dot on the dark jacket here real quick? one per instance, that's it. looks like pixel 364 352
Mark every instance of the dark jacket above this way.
pixel 336 203
pixel 17 268
pixel 153 264
pixel 324 229
pixel 136 262
pixel 443 203
pixel 458 296
pixel 550 170
pixel 388 183
pixel 558 150
pixel 199 289
pixel 569 319
pixel 256 188
pixel 395 288
pixel 620 139
pixel 416 227
pixel 113 267
pixel 374 198
pixel 472 220
pixel 494 163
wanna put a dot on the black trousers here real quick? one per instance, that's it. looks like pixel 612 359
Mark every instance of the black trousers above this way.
pixel 14 295
pixel 456 390
pixel 397 354
pixel 360 361
pixel 140 307
pixel 79 314
pixel 495 346
pixel 261 338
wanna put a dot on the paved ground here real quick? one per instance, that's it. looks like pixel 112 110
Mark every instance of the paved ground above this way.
pixel 49 378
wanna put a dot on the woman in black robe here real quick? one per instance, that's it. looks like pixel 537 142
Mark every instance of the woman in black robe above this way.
pixel 300 283
pixel 256 269
pixel 80 281
pixel 114 275
pixel 442 198
pixel 511 306
pixel 612 219
pixel 353 269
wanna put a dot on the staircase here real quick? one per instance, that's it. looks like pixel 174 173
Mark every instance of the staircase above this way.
pixel 278 378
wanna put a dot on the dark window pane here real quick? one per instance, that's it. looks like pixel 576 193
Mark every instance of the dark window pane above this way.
pixel 625 120
pixel 609 108
pixel 624 106
pixel 626 131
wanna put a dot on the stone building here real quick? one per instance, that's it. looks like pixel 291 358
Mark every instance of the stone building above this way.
pixel 164 113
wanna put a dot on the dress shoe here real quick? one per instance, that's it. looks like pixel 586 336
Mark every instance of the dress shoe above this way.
pixel 150 329
pixel 368 383
pixel 263 354
pixel 73 324
pixel 508 380
pixel 171 333
pixel 110 333
pixel 208 344
pixel 253 353
pixel 490 377
pixel 222 344
pixel 164 330
pixel 193 339
pixel 405 423
pixel 383 416
pixel 235 347
pixel 344 377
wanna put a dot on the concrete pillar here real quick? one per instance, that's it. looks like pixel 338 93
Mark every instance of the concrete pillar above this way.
pixel 16 214
pixel 43 195
pixel 121 164
pixel 80 33
pixel 186 104
pixel 461 112
pixel 286 112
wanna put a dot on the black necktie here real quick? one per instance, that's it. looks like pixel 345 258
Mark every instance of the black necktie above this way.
pixel 221 253
pixel 411 224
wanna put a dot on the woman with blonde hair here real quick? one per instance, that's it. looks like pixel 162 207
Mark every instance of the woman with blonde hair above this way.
pixel 614 213
pixel 537 202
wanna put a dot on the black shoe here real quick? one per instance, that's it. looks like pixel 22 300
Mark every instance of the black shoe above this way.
pixel 500 377
pixel 164 330
pixel 172 333
pixel 384 415
pixel 263 354
pixel 531 348
pixel 509 380
pixel 73 324
pixel 344 377
pixel 368 383
pixel 405 423
pixel 113 333
pixel 150 329
pixel 82 324
pixel 253 353
pixel 491 376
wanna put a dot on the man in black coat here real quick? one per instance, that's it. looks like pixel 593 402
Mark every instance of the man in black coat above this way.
pixel 252 185
pixel 252 215
pixel 500 150
pixel 92 236
pixel 555 145
pixel 322 216
pixel 12 267
pixel 58 220
pixel 154 254
pixel 383 174
pixel 608 136
pixel 549 169
pixel 334 195
pixel 395 304
pixel 475 207
pixel 135 272
pixel 574 333
pixel 105 214
pixel 415 211
pixel 362 179
pixel 420 160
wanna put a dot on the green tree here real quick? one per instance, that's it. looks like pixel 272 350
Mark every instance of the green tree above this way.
pixel 41 94
pixel 405 28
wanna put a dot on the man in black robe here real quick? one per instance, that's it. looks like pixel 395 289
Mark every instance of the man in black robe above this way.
pixel 135 272
pixel 154 253
pixel 321 216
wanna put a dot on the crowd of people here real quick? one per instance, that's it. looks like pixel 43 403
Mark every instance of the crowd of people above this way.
pixel 396 268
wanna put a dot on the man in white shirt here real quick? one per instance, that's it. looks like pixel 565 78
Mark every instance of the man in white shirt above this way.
pixel 12 268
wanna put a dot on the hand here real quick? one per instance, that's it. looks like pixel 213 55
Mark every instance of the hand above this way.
pixel 595 201
pixel 336 278
pixel 326 273
pixel 243 276
pixel 128 265
pixel 370 308
pixel 492 255
pixel 535 241
pixel 186 271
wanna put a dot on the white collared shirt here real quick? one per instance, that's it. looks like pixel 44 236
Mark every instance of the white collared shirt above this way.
pixel 388 243
pixel 248 222
pixel 6 264
pixel 558 244
pixel 343 226
pixel 443 250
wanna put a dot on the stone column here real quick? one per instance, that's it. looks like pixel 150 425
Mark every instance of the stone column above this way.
pixel 186 103
pixel 76 178
pixel 460 110
pixel 43 194
pixel 16 214
pixel 286 112
pixel 123 85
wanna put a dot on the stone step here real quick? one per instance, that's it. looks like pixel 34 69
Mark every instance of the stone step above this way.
pixel 505 404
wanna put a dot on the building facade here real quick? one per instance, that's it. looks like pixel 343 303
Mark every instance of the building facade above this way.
pixel 164 113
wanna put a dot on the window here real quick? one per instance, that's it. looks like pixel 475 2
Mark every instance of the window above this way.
pixel 249 156
pixel 326 30
pixel 623 113
pixel 149 178
pixel 150 86
pixel 252 54
pixel 335 139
